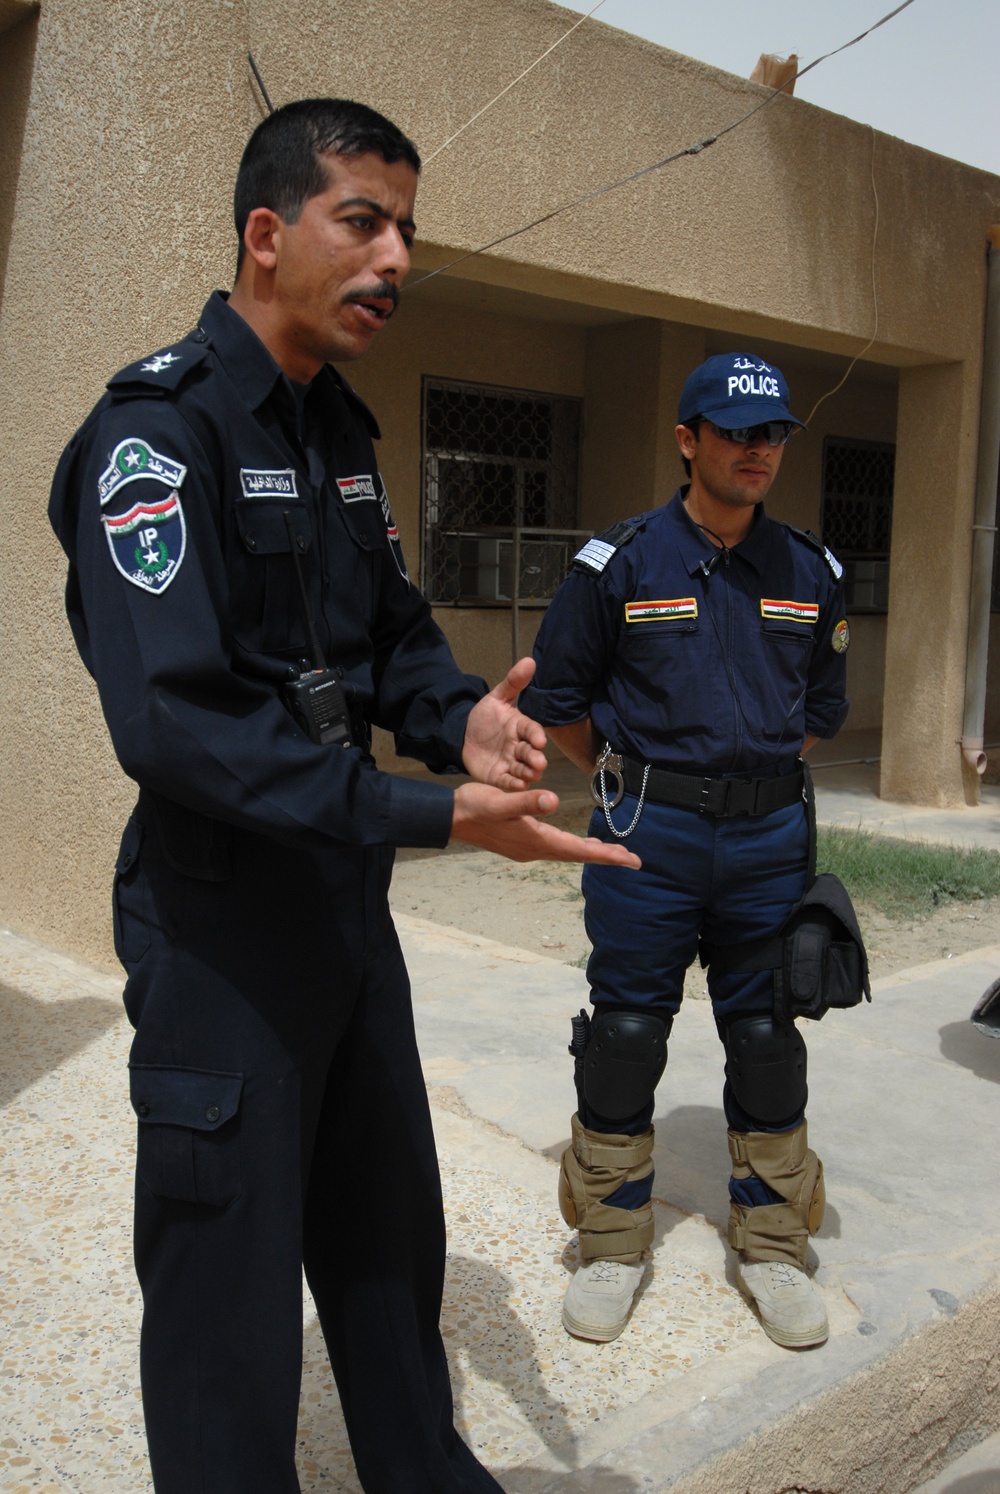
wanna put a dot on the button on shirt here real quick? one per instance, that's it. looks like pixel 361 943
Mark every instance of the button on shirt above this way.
pixel 171 504
pixel 694 658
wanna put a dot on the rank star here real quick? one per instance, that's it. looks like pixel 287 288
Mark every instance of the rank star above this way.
pixel 160 362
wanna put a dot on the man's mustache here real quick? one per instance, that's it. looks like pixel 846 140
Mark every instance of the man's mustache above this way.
pixel 383 290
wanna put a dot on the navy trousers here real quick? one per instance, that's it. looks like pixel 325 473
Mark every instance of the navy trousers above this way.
pixel 731 880
pixel 283 1122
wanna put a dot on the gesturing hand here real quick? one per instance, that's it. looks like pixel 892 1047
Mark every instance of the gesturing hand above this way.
pixel 506 823
pixel 503 747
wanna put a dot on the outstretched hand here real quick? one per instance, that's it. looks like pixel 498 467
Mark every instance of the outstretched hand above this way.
pixel 503 747
pixel 505 822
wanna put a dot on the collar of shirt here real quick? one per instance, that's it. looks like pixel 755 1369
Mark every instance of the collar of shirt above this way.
pixel 254 371
pixel 697 549
pixel 246 360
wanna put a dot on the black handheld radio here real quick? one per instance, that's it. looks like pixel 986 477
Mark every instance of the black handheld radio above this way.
pixel 316 697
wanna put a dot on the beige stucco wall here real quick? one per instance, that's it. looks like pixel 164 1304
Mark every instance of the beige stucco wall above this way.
pixel 121 124
pixel 117 227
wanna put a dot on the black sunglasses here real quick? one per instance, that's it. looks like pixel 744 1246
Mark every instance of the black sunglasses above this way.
pixel 774 432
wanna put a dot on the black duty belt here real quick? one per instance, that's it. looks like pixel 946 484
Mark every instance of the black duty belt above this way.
pixel 725 797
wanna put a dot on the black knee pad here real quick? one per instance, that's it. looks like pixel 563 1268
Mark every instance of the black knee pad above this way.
pixel 625 1055
pixel 766 1067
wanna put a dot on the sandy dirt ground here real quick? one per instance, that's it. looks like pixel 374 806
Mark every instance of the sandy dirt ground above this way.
pixel 538 907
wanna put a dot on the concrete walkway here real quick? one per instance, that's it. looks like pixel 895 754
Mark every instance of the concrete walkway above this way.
pixel 693 1398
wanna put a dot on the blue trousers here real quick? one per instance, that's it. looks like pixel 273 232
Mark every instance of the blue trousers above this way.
pixel 730 880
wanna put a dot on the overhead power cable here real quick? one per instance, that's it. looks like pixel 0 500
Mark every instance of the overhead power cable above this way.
pixel 513 84
pixel 858 356
pixel 633 176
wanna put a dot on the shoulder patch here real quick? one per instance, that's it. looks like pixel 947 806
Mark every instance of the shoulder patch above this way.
pixel 833 563
pixel 164 370
pixel 598 551
pixel 133 459
pixel 815 543
pixel 392 534
pixel 147 542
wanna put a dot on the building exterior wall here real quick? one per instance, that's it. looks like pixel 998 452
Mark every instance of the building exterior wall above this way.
pixel 429 338
pixel 116 225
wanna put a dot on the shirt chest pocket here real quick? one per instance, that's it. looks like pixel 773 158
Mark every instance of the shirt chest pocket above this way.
pixel 357 545
pixel 782 633
pixel 267 610
pixel 787 650
pixel 656 637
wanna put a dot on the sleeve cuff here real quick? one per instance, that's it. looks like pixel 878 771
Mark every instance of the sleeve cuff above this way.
pixel 830 724
pixel 554 707
pixel 420 814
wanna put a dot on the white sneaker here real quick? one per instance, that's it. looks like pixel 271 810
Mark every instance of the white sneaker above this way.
pixel 599 1299
pixel 791 1309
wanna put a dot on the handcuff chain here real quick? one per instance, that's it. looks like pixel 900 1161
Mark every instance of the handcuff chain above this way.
pixel 620 834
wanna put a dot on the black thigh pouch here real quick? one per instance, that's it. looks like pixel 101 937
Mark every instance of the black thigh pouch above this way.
pixel 189 1132
pixel 818 959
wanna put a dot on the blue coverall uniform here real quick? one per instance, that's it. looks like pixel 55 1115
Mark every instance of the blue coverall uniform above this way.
pixel 282 1115
pixel 699 661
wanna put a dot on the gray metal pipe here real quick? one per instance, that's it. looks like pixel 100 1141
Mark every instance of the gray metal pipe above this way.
pixel 984 526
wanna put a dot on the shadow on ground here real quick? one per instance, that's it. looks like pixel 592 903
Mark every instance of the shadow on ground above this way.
pixel 40 1035
pixel 494 1364
pixel 962 1043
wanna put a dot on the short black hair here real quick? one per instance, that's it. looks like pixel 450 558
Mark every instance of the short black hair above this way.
pixel 282 165
pixel 694 426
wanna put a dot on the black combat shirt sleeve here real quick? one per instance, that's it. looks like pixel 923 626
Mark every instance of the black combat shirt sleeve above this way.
pixel 183 720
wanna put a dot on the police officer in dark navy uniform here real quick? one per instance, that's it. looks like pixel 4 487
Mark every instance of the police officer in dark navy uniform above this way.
pixel 692 655
pixel 238 591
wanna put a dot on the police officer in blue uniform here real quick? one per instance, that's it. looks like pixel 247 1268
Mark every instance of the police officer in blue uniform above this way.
pixel 693 654
pixel 226 523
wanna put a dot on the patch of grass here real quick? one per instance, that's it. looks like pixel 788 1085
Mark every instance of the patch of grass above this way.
pixel 902 878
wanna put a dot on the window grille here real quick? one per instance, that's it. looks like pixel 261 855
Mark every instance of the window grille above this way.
pixel 857 517
pixel 500 479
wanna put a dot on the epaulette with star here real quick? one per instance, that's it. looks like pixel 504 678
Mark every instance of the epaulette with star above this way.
pixel 164 371
pixel 815 543
pixel 598 551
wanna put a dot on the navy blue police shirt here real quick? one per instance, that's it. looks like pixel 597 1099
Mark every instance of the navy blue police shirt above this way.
pixel 693 658
pixel 170 504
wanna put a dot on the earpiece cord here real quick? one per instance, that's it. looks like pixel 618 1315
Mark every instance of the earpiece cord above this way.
pixel 727 664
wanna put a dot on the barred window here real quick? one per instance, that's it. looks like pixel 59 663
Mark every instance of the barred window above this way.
pixel 500 477
pixel 857 516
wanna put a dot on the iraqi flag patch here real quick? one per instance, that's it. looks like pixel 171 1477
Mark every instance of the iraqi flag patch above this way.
pixel 640 612
pixel 148 542
pixel 358 489
pixel 803 612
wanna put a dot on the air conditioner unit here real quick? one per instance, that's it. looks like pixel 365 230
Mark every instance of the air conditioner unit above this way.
pixel 486 568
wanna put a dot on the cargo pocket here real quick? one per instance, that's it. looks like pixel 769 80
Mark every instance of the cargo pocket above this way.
pixel 189 1143
pixel 129 896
